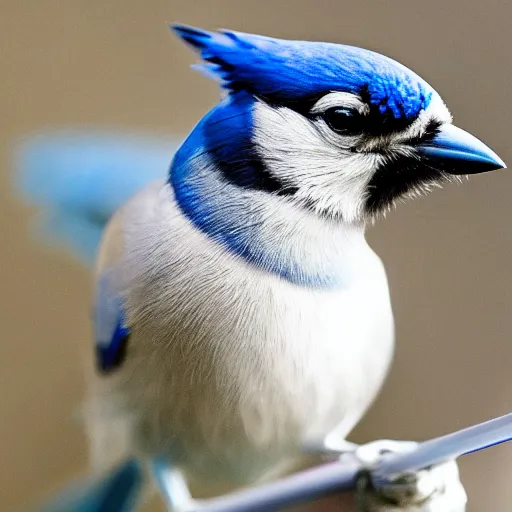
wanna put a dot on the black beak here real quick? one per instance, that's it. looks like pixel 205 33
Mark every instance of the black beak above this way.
pixel 456 151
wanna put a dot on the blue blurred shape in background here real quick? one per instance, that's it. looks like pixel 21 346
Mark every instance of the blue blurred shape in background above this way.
pixel 117 492
pixel 79 178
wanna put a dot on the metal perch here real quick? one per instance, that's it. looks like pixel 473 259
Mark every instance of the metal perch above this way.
pixel 317 482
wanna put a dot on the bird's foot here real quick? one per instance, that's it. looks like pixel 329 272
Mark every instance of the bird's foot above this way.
pixel 432 489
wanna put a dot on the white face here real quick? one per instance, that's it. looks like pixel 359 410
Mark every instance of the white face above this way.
pixel 331 170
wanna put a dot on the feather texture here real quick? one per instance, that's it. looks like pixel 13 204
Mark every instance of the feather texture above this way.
pixel 231 368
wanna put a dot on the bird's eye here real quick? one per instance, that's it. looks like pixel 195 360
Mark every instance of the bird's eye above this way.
pixel 344 120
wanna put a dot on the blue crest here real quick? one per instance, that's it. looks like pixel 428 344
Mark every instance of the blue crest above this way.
pixel 285 71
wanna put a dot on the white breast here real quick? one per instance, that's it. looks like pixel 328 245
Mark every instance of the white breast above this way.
pixel 230 368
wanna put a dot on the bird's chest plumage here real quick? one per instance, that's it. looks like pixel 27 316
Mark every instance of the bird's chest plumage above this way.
pixel 229 363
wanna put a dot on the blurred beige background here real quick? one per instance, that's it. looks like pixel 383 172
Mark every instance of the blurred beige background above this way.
pixel 113 63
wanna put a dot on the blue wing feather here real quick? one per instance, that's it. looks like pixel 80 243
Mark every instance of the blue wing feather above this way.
pixel 111 331
pixel 110 356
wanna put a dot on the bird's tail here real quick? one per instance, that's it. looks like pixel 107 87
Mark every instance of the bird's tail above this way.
pixel 80 178
pixel 118 490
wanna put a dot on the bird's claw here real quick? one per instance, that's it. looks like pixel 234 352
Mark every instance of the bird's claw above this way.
pixel 433 489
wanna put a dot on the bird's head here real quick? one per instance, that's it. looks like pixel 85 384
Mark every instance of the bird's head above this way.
pixel 342 131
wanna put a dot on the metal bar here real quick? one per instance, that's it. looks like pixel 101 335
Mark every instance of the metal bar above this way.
pixel 336 477
pixel 306 486
pixel 440 449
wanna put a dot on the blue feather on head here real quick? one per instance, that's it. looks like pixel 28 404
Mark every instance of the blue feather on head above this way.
pixel 282 71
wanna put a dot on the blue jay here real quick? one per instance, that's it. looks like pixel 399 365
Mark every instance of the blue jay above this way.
pixel 240 315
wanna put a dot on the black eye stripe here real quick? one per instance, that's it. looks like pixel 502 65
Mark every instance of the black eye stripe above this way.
pixel 302 106
pixel 375 123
